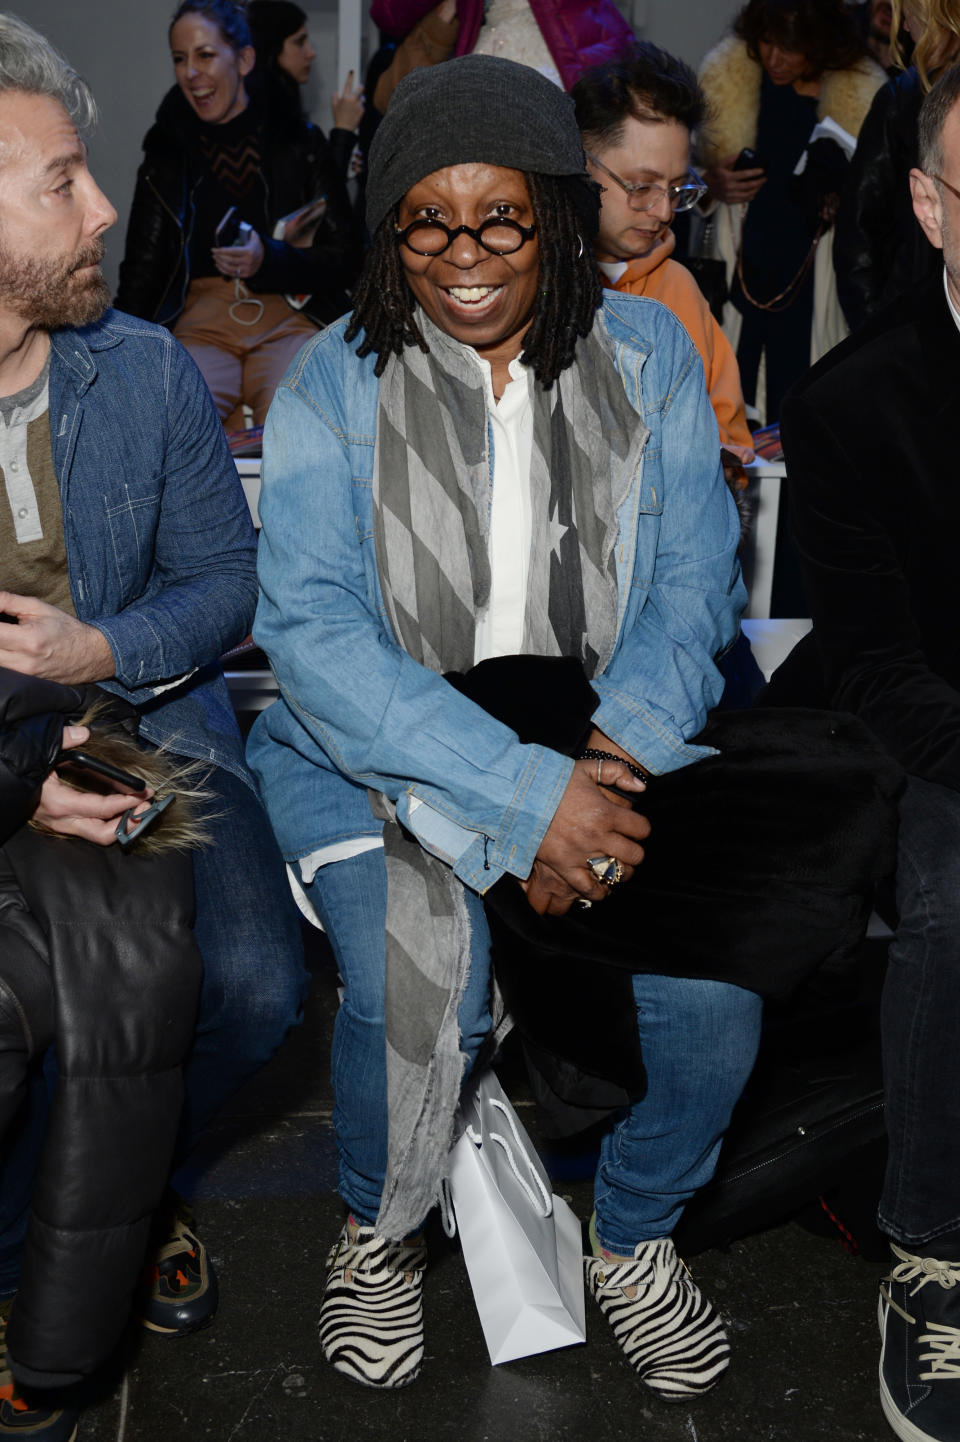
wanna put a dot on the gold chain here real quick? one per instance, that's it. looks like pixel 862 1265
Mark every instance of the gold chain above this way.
pixel 792 285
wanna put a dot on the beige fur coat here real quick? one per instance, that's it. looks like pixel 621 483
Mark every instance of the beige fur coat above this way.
pixel 731 81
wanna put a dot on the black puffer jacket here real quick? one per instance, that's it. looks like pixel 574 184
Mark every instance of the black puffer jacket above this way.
pixel 297 165
pixel 879 250
pixel 96 952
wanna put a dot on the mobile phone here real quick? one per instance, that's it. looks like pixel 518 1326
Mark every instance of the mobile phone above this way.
pixel 228 230
pixel 83 761
pixel 747 160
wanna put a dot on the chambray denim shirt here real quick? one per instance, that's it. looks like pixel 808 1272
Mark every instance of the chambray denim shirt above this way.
pixel 161 552
pixel 355 711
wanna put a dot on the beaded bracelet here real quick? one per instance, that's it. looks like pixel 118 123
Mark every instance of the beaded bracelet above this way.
pixel 592 754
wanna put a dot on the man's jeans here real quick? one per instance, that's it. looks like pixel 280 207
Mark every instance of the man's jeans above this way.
pixel 921 1022
pixel 254 985
pixel 700 1039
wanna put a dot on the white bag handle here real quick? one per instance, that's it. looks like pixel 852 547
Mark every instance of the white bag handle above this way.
pixel 542 1205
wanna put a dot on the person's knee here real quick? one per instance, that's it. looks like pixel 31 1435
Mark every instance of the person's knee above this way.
pixel 704 1041
pixel 257 1016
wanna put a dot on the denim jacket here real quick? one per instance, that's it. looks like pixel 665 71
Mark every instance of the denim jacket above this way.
pixel 161 552
pixel 355 711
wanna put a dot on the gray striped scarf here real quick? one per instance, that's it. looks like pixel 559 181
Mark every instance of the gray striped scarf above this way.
pixel 431 505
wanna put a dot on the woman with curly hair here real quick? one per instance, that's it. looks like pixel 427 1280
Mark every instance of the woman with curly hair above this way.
pixel 785 67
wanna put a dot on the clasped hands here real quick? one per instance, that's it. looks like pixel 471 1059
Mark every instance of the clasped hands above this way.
pixel 591 820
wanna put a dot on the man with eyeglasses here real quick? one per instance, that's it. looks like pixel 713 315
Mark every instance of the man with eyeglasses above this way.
pixel 635 115
pixel 870 441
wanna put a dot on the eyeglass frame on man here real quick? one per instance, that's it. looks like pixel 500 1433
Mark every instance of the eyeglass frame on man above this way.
pixel 631 188
pixel 952 188
pixel 525 232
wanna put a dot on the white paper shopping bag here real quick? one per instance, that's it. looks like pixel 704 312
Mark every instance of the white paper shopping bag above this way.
pixel 521 1244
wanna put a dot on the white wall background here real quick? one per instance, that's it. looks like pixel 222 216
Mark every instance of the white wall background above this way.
pixel 120 46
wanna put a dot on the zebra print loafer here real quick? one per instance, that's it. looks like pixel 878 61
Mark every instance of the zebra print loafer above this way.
pixel 669 1333
pixel 371 1319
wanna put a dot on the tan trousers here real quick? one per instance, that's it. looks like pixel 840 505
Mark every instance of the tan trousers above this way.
pixel 241 364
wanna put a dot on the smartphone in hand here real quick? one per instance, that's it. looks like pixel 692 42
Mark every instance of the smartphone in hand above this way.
pixel 227 231
pixel 747 160
pixel 86 766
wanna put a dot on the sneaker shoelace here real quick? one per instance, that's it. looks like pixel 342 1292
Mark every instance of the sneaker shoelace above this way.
pixel 176 1266
pixel 943 1341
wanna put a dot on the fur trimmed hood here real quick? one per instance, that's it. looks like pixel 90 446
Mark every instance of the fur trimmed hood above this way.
pixel 731 81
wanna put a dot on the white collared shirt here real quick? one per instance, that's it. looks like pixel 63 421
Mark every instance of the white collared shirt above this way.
pixel 499 631
pixel 950 301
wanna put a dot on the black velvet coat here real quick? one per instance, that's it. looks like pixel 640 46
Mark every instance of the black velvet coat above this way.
pixel 870 437
pixel 759 868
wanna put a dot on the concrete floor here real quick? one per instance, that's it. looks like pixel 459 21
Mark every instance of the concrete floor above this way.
pixel 800 1313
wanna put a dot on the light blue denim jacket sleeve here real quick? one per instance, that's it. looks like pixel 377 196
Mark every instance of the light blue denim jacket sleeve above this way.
pixel 354 702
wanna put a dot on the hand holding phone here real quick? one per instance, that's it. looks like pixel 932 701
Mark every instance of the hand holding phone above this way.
pixel 238 251
pixel 72 810
pixel 736 180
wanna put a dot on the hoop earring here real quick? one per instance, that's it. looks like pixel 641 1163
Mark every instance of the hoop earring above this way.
pixel 579 253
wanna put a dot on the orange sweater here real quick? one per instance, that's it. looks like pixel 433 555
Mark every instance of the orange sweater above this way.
pixel 660 278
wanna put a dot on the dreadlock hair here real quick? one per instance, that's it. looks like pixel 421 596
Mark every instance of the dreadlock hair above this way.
pixel 565 213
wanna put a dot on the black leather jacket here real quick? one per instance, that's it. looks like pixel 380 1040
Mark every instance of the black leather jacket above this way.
pixel 96 952
pixel 297 165
pixel 879 250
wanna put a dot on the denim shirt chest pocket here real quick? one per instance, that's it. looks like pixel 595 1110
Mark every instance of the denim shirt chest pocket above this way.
pixel 132 514
pixel 124 517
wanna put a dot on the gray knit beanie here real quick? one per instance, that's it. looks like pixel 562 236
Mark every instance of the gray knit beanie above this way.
pixel 475 108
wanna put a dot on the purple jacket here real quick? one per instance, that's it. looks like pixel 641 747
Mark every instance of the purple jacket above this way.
pixel 579 33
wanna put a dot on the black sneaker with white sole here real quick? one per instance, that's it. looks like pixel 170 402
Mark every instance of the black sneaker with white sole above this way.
pixel 919 1317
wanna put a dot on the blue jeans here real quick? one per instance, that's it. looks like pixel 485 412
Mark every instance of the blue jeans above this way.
pixel 254 986
pixel 700 1039
pixel 921 1022
pixel 248 930
pixel 350 898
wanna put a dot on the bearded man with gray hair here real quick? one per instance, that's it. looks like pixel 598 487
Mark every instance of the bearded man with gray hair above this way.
pixel 127 560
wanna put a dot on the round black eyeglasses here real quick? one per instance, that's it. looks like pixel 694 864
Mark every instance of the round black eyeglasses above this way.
pixel 496 235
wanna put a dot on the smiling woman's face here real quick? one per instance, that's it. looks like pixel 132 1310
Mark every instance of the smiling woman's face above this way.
pixel 208 70
pixel 486 301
